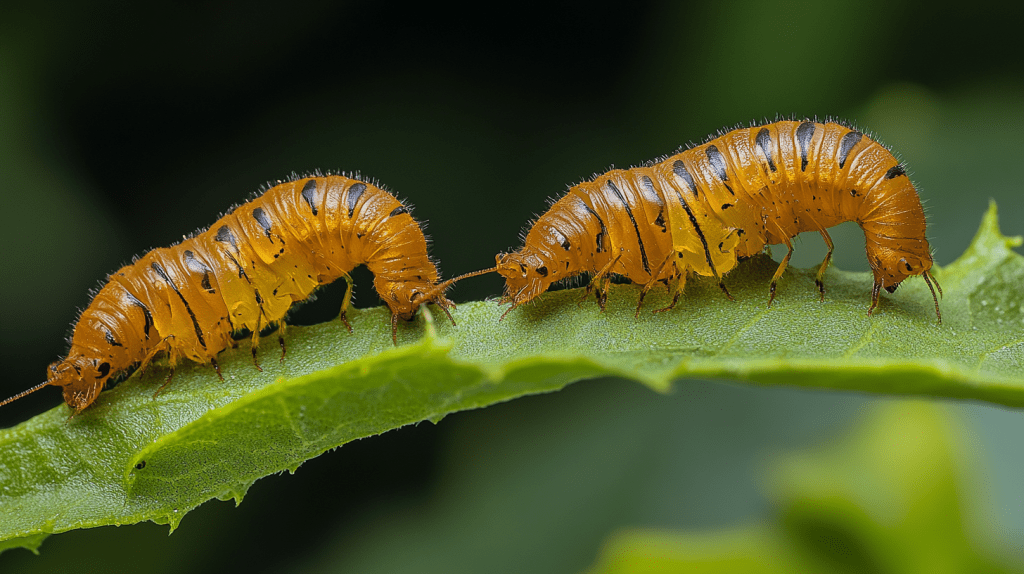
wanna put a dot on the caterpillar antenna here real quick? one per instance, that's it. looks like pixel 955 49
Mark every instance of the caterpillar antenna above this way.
pixel 443 286
pixel 23 393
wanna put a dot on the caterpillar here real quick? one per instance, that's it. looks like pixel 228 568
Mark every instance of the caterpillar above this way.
pixel 699 211
pixel 244 273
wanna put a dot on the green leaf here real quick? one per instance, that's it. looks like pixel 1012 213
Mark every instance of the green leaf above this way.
pixel 898 495
pixel 131 457
pixel 893 497
pixel 753 550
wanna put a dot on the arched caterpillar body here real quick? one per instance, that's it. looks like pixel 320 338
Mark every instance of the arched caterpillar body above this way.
pixel 700 210
pixel 245 272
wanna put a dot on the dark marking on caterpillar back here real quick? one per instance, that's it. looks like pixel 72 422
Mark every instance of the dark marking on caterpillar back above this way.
pixel 562 240
pixel 132 299
pixel 604 229
pixel 804 133
pixel 398 211
pixel 629 212
pixel 660 221
pixel 309 194
pixel 679 168
pixel 700 233
pixel 263 220
pixel 895 171
pixel 259 302
pixel 846 144
pixel 717 162
pixel 224 235
pixel 195 322
pixel 241 270
pixel 652 191
pixel 352 197
pixel 764 141
pixel 110 338
pixel 196 266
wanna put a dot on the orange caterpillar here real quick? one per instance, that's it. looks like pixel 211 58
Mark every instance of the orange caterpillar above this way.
pixel 245 272
pixel 700 210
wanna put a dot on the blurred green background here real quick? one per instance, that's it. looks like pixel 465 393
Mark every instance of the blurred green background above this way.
pixel 124 126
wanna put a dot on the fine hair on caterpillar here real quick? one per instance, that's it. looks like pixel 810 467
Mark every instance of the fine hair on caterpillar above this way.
pixel 244 273
pixel 700 210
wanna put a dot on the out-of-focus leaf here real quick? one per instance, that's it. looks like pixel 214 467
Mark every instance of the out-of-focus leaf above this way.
pixel 893 497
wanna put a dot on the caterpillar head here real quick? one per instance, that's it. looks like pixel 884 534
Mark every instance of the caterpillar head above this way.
pixel 891 266
pixel 81 378
pixel 906 266
pixel 526 276
pixel 405 297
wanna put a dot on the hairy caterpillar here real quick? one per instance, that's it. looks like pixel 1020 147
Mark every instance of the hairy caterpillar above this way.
pixel 700 210
pixel 245 272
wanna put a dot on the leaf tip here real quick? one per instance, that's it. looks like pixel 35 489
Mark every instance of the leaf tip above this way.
pixel 30 542
pixel 990 231
pixel 238 492
pixel 988 247
pixel 171 519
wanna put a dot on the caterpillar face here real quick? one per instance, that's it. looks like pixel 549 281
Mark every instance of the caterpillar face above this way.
pixel 81 378
pixel 405 297
pixel 526 276
pixel 894 267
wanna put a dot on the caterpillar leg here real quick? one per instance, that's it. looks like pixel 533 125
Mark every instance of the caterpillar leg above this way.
pixel 875 289
pixel 280 339
pixel 650 284
pixel 928 279
pixel 166 382
pixel 256 360
pixel 161 346
pixel 445 305
pixel 216 367
pixel 602 292
pixel 346 301
pixel 602 282
pixel 721 285
pixel 778 272
pixel 677 292
pixel 256 343
pixel 824 264
pixel 513 299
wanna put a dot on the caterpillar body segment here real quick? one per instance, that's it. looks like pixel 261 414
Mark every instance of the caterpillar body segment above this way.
pixel 698 211
pixel 244 273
